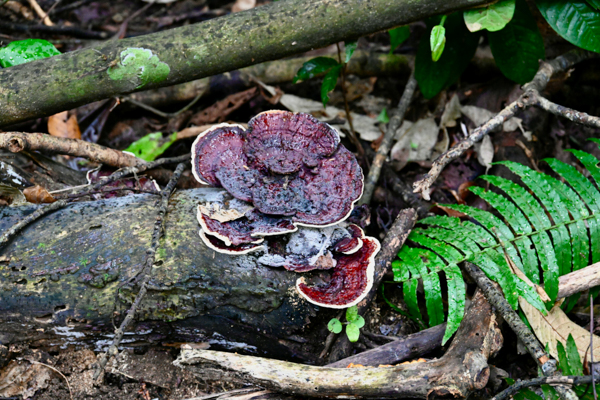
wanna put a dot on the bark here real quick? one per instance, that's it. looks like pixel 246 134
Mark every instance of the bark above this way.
pixel 578 281
pixel 61 274
pixel 462 370
pixel 269 32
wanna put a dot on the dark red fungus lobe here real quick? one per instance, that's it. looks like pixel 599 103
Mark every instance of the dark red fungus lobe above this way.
pixel 350 282
pixel 282 142
pixel 247 229
pixel 218 159
pixel 352 243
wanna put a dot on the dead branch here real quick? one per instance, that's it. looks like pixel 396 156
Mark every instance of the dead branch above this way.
pixel 545 380
pixel 16 142
pixel 530 97
pixel 578 281
pixel 272 31
pixel 462 370
pixel 412 346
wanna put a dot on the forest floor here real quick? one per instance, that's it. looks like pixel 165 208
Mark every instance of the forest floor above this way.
pixel 146 372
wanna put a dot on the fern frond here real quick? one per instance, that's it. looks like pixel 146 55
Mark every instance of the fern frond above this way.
pixel 547 228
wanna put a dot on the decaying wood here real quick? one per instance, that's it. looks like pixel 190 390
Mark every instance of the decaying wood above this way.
pixel 16 142
pixel 407 348
pixel 462 370
pixel 59 279
pixel 578 281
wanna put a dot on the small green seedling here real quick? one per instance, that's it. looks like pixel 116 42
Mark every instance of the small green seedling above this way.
pixel 353 324
pixel 327 65
pixel 383 116
pixel 149 147
pixel 437 40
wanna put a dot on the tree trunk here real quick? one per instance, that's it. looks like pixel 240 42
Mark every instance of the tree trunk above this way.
pixel 61 277
pixel 237 40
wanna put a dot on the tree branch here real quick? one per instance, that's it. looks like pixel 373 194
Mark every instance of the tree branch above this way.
pixel 269 32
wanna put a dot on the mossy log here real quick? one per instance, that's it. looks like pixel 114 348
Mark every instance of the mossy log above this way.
pixel 234 41
pixel 62 277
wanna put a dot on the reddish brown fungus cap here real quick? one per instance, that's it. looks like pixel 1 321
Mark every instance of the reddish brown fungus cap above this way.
pixel 285 164
pixel 350 282
pixel 282 142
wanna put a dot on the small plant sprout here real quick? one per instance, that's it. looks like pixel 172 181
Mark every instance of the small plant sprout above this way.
pixel 353 324
pixel 437 40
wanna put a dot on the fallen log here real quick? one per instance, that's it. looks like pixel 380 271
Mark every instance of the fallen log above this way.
pixel 60 281
pixel 462 370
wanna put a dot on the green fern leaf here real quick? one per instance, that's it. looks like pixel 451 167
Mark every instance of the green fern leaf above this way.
pixel 547 228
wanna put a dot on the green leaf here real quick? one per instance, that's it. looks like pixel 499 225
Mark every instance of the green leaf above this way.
pixel 149 147
pixel 334 325
pixel 549 392
pixel 314 67
pixel 352 314
pixel 573 357
pixel 410 298
pixel 460 48
pixel 456 300
pixel 594 3
pixel 493 17
pixel 398 36
pixel 353 332
pixel 383 116
pixel 563 361
pixel 437 42
pixel 360 322
pixel 350 48
pixel 22 51
pixel 518 47
pixel 575 21
pixel 329 82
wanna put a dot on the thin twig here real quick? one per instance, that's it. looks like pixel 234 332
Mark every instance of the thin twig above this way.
pixel 352 136
pixel 330 338
pixel 148 263
pixel 386 143
pixel 544 380
pixel 161 113
pixel 568 113
pixel 527 99
pixel 41 13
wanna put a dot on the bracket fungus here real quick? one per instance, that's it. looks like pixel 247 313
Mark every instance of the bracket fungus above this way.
pixel 288 176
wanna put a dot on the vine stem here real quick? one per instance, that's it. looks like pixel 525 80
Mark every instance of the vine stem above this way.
pixel 148 263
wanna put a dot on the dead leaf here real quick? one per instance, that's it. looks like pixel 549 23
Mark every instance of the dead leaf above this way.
pixel 366 127
pixel 417 143
pixel 243 5
pixel 63 126
pixel 219 111
pixel 11 196
pixel 451 113
pixel 37 195
pixel 21 378
pixel 556 326
pixel 485 152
